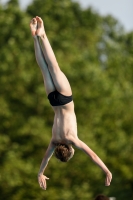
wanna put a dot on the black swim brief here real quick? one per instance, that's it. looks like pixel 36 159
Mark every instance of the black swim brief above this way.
pixel 58 99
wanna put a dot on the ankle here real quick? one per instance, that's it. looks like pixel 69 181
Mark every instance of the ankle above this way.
pixel 34 37
pixel 43 36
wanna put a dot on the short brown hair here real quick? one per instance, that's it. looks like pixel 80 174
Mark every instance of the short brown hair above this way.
pixel 63 152
pixel 101 197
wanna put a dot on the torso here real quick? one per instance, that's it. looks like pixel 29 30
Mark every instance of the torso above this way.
pixel 65 124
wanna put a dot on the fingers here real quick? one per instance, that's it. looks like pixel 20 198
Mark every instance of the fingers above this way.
pixel 43 185
pixel 42 182
pixel 108 179
pixel 107 184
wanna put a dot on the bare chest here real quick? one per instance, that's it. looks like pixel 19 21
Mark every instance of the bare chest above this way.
pixel 64 127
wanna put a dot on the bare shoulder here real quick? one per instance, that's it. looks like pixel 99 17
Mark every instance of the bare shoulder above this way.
pixel 52 142
pixel 79 144
pixel 74 140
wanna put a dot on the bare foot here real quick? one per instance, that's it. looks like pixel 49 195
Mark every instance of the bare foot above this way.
pixel 33 26
pixel 40 27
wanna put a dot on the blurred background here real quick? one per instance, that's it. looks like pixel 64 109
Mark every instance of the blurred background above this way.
pixel 94 48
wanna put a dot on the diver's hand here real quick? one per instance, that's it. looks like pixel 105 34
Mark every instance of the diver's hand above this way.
pixel 108 178
pixel 42 181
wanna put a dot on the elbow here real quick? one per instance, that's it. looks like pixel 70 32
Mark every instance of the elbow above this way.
pixel 93 156
pixel 53 67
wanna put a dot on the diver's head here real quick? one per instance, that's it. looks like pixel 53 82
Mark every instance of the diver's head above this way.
pixel 64 152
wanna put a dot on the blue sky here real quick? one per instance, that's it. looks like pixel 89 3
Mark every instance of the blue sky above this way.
pixel 120 9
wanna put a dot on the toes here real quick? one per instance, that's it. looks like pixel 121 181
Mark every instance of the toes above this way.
pixel 39 19
pixel 33 21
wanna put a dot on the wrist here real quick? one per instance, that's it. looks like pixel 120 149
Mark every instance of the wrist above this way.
pixel 40 174
pixel 108 172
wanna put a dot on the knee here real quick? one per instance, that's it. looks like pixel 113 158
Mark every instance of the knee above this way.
pixel 54 69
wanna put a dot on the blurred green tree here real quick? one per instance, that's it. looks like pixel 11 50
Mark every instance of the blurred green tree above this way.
pixel 96 55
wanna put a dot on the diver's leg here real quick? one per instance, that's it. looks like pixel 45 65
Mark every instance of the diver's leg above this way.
pixel 60 81
pixel 48 82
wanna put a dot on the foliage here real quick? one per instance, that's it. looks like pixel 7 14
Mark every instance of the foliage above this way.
pixel 96 55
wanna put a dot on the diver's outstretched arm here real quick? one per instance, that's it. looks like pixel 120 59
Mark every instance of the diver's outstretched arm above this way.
pixel 81 145
pixel 42 178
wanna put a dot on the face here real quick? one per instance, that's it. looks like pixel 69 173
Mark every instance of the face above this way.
pixel 72 149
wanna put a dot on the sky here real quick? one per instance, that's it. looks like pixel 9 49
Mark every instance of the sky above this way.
pixel 122 10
